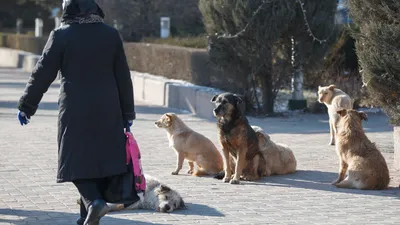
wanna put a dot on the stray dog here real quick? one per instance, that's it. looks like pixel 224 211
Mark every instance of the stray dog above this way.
pixel 158 197
pixel 238 140
pixel 192 146
pixel 367 168
pixel 279 158
pixel 334 99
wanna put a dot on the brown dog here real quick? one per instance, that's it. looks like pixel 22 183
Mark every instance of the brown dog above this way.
pixel 191 146
pixel 367 168
pixel 279 159
pixel 238 140
pixel 334 99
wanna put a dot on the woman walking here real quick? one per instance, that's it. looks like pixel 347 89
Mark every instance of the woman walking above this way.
pixel 95 102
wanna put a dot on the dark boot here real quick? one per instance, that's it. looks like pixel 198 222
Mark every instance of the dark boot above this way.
pixel 83 212
pixel 80 221
pixel 96 210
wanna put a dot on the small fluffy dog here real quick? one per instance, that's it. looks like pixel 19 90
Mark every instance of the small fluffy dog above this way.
pixel 279 158
pixel 158 197
pixel 238 140
pixel 192 146
pixel 367 168
pixel 334 99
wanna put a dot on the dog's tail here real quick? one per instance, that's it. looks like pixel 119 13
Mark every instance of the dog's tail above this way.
pixel 220 175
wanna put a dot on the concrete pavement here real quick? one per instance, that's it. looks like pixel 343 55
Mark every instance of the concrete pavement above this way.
pixel 29 193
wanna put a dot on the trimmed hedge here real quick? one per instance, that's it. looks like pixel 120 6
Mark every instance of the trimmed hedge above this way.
pixel 23 42
pixel 174 62
pixel 189 64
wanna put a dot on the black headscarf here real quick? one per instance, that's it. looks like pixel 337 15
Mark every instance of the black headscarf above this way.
pixel 75 9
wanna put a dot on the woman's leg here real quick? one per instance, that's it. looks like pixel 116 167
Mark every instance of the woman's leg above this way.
pixel 93 207
pixel 88 189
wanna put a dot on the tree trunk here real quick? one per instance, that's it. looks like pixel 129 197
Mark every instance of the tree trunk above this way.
pixel 297 71
pixel 267 90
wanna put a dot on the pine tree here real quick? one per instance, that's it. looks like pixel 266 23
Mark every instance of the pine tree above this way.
pixel 378 45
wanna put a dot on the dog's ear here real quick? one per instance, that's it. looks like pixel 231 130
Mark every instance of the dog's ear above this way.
pixel 164 188
pixel 342 112
pixel 332 87
pixel 169 116
pixel 214 98
pixel 240 105
pixel 319 87
pixel 266 137
pixel 363 115
pixel 238 99
pixel 182 205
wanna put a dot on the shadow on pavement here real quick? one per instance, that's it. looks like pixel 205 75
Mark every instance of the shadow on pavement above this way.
pixel 200 210
pixel 320 180
pixel 19 217
pixel 193 209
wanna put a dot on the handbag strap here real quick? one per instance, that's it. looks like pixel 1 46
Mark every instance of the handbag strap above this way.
pixel 128 142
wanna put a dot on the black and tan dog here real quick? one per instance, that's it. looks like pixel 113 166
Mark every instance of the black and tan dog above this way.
pixel 238 140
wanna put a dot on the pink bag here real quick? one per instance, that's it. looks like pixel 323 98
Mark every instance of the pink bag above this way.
pixel 133 155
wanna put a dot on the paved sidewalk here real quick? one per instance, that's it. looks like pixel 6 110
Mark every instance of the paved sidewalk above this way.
pixel 29 193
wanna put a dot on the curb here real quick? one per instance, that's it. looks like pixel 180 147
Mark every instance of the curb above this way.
pixel 15 58
pixel 160 91
pixel 151 89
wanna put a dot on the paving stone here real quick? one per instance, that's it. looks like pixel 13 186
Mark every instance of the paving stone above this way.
pixel 30 195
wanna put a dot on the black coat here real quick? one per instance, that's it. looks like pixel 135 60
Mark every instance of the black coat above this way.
pixel 96 96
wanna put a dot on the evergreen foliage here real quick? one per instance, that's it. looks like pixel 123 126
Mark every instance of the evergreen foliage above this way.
pixel 378 50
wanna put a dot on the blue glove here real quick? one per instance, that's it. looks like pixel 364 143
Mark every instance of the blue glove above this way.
pixel 23 118
pixel 128 124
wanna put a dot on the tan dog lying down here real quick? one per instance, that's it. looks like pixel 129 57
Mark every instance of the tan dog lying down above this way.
pixel 279 158
pixel 191 146
pixel 366 167
pixel 334 99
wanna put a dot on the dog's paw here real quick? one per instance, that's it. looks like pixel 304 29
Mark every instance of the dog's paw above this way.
pixel 174 173
pixel 331 143
pixel 234 181
pixel 226 179
pixel 335 182
pixel 189 172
